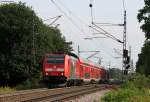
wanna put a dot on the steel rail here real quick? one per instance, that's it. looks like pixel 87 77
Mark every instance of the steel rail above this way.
pixel 51 95
pixel 71 93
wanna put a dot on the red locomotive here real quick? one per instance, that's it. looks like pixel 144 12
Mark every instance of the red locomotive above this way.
pixel 62 68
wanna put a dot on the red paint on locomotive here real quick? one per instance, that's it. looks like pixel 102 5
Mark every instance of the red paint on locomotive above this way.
pixel 68 68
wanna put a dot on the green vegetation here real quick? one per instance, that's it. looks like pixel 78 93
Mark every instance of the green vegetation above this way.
pixel 143 64
pixel 31 83
pixel 24 40
pixel 134 90
pixel 6 89
pixel 143 15
pixel 115 73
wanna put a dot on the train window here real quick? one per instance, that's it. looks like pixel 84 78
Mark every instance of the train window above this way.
pixel 55 56
pixel 81 68
pixel 92 69
pixel 55 61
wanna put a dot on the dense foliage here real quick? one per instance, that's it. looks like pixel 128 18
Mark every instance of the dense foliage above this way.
pixel 115 73
pixel 143 64
pixel 6 90
pixel 144 16
pixel 134 90
pixel 24 39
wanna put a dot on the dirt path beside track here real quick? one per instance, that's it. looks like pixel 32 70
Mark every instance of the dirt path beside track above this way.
pixel 93 97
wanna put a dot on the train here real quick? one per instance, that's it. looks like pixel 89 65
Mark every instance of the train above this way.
pixel 71 70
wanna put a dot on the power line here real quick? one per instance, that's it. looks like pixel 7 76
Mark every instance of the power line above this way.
pixel 70 12
pixel 105 33
pixel 65 7
pixel 75 16
pixel 69 18
pixel 105 51
pixel 51 18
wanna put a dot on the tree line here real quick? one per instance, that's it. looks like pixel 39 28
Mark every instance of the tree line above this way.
pixel 24 40
pixel 143 63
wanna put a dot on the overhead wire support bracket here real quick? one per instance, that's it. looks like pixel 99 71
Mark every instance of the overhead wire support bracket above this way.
pixel 87 51
pixel 55 19
pixel 90 38
pixel 97 28
pixel 109 24
pixel 96 52
pixel 105 33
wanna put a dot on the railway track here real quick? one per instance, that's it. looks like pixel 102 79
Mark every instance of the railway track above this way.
pixel 51 95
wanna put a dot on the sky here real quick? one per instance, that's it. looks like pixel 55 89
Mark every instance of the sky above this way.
pixel 76 18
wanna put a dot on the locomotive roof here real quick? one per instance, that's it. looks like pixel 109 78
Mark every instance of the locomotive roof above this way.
pixel 84 61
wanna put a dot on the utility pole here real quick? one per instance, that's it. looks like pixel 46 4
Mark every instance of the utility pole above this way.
pixel 126 58
pixel 124 44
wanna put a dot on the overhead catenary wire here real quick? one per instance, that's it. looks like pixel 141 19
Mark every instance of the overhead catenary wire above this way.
pixel 71 13
pixel 52 18
pixel 104 50
pixel 69 18
pixel 64 6
pixel 105 33
pixel 90 5
pixel 101 33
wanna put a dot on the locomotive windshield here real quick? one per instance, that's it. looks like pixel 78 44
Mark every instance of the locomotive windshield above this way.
pixel 55 59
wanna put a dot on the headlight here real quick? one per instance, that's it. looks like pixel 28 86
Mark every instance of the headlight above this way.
pixel 62 74
pixel 46 73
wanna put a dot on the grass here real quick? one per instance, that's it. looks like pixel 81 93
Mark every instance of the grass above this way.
pixel 6 89
pixel 134 90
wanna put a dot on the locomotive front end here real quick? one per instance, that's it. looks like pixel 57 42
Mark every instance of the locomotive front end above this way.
pixel 53 69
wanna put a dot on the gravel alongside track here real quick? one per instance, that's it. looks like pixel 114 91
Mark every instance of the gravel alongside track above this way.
pixel 90 93
pixel 93 97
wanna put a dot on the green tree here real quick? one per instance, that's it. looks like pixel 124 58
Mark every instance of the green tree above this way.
pixel 143 63
pixel 24 39
pixel 144 15
pixel 115 73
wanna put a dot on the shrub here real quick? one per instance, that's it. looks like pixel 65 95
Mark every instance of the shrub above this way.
pixel 31 83
pixel 6 89
pixel 133 90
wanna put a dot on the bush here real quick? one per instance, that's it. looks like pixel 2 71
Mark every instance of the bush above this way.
pixel 31 83
pixel 6 89
pixel 133 90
